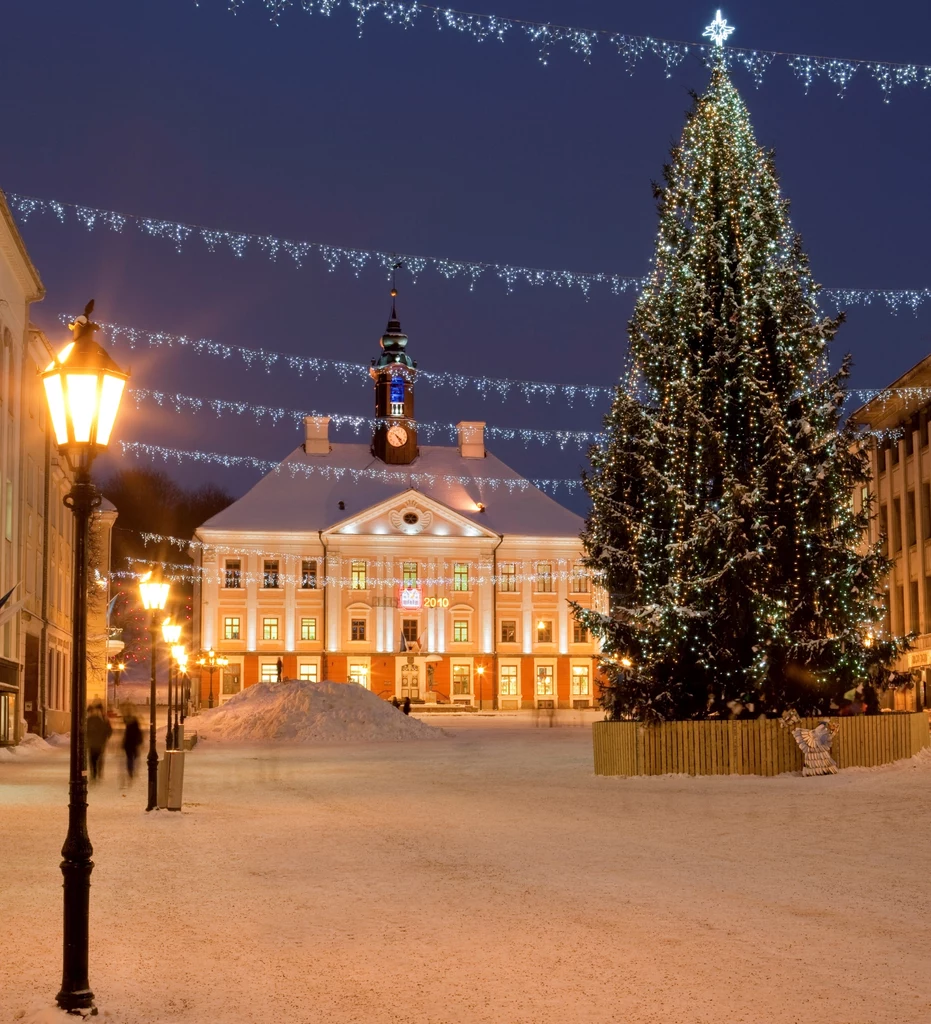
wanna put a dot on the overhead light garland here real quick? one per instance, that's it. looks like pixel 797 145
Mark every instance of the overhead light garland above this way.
pixel 510 484
pixel 582 42
pixel 241 243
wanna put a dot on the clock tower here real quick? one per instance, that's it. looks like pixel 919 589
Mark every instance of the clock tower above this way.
pixel 395 437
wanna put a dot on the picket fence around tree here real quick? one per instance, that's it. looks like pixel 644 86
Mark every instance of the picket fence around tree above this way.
pixel 752 747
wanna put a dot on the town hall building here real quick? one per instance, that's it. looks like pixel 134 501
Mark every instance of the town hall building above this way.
pixel 431 572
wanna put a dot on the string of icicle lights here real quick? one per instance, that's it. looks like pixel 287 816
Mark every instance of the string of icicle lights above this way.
pixel 583 43
pixel 510 484
pixel 334 256
pixel 276 414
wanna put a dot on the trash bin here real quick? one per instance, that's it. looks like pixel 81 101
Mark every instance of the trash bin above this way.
pixel 175 759
pixel 161 789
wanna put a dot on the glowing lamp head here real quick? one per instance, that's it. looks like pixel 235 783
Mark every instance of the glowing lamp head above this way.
pixel 179 653
pixel 83 387
pixel 171 631
pixel 480 670
pixel 627 663
pixel 153 593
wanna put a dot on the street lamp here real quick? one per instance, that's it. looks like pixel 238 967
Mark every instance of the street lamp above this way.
pixel 171 634
pixel 179 654
pixel 117 668
pixel 154 595
pixel 83 387
pixel 211 661
pixel 480 672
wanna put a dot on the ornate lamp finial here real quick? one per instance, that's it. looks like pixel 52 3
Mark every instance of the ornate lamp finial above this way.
pixel 718 30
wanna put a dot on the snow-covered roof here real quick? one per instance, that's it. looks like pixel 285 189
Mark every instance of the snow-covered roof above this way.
pixel 292 499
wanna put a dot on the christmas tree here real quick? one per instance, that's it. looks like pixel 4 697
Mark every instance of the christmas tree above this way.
pixel 722 523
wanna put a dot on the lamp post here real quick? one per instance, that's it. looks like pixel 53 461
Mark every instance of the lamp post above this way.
pixel 117 668
pixel 171 634
pixel 211 661
pixel 179 654
pixel 154 595
pixel 83 387
pixel 480 672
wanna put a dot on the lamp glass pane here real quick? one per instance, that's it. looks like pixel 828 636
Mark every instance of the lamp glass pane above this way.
pixel 82 404
pixel 110 395
pixel 154 595
pixel 56 407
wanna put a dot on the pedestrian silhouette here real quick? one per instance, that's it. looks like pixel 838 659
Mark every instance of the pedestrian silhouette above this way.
pixel 132 740
pixel 97 734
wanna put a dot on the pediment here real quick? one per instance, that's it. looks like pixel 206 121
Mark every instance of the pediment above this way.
pixel 409 514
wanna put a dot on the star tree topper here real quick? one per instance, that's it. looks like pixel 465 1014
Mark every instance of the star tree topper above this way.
pixel 718 30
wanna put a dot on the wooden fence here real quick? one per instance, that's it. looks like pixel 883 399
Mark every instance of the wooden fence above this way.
pixel 754 747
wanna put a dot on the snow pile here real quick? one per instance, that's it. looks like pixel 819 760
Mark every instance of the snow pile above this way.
pixel 29 744
pixel 304 712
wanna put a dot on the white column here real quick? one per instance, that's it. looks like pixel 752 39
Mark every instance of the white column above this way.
pixel 431 591
pixel 526 604
pixel 253 567
pixel 292 571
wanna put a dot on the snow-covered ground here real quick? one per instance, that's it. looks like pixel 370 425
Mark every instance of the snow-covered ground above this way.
pixel 490 878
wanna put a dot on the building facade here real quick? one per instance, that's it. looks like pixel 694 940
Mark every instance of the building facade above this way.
pixel 430 572
pixel 36 551
pixel 899 421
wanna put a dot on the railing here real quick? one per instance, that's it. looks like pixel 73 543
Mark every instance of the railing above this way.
pixel 754 747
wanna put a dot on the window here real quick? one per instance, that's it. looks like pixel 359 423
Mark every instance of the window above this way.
pixel 232 577
pixel 925 511
pixel 899 612
pixel 507 681
pixel 396 397
pixel 409 575
pixel 913 606
pixel 884 529
pixel 231 627
pixel 359 577
pixel 357 629
pixel 578 580
pixel 579 633
pixel 269 672
pixel 308 629
pixel 308 673
pixel 545 631
pixel 269 629
pixel 896 524
pixel 461 631
pixel 270 578
pixel 507 577
pixel 462 680
pixel 359 674
pixel 461 576
pixel 910 519
pixel 309 574
pixel 509 631
pixel 580 680
pixel 544 577
pixel 545 686
pixel 229 682
pixel 410 630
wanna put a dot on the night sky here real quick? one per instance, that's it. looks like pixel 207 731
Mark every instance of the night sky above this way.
pixel 428 143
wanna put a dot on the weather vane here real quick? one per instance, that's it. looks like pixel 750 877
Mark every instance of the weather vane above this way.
pixel 718 30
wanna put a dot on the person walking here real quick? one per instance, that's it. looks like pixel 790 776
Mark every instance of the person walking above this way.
pixel 98 732
pixel 132 740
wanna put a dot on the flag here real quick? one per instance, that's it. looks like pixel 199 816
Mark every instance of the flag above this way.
pixel 8 595
pixel 403 647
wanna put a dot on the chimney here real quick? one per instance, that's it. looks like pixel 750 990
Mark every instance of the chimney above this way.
pixel 471 439
pixel 316 435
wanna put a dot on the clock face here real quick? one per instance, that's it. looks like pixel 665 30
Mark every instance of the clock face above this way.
pixel 397 436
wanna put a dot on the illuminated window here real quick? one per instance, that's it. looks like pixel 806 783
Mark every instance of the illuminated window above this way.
pixel 461 631
pixel 357 629
pixel 508 631
pixel 269 629
pixel 507 577
pixel 409 574
pixel 544 577
pixel 410 630
pixel 507 681
pixel 270 577
pixel 309 574
pixel 462 680
pixel 461 576
pixel 578 581
pixel 269 672
pixel 359 674
pixel 308 673
pixel 396 397
pixel 579 633
pixel 545 684
pixel 545 631
pixel 359 577
pixel 580 680
pixel 308 629
pixel 232 577
pixel 231 627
